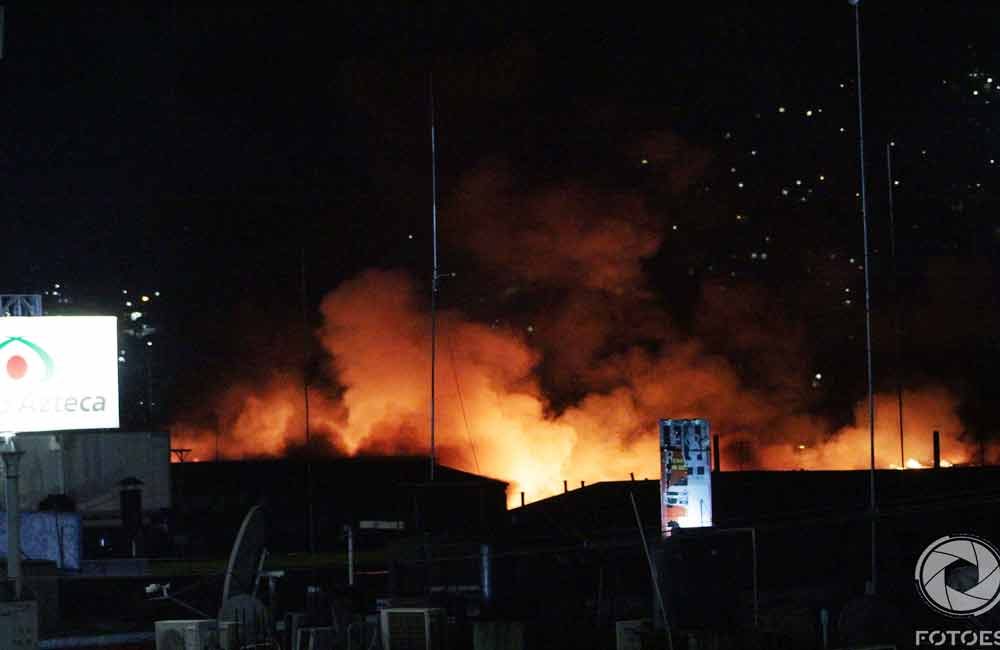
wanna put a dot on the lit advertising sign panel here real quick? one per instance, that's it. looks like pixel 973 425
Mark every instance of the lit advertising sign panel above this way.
pixel 58 372
pixel 685 474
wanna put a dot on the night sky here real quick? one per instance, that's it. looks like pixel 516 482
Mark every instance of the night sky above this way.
pixel 204 153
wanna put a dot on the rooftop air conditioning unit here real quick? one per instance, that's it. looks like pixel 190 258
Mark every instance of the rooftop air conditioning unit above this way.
pixel 628 634
pixel 293 621
pixel 412 628
pixel 314 638
pixel 19 624
pixel 229 635
pixel 196 634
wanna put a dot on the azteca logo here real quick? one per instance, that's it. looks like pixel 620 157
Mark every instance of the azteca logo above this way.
pixel 25 371
pixel 24 362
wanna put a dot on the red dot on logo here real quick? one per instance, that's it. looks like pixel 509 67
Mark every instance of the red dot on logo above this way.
pixel 17 367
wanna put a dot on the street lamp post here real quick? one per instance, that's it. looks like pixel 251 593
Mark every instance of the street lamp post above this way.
pixel 11 459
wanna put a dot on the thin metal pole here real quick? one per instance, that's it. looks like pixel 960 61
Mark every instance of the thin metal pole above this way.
pixel 149 386
pixel 868 311
pixel 652 573
pixel 434 272
pixel 897 316
pixel 756 592
pixel 11 459
pixel 350 555
pixel 305 403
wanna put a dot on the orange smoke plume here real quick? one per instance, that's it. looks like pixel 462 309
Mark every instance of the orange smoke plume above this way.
pixel 266 419
pixel 924 411
pixel 575 396
pixel 493 418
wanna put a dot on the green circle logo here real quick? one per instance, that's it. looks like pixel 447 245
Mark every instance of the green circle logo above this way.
pixel 19 366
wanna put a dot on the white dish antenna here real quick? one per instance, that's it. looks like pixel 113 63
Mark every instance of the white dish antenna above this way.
pixel 239 591
pixel 247 557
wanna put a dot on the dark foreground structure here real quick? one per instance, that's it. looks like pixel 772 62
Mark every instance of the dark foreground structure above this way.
pixel 787 565
pixel 212 498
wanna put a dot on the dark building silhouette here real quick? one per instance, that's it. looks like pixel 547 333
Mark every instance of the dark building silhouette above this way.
pixel 212 497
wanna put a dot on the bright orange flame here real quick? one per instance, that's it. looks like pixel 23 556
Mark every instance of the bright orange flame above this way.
pixel 493 418
pixel 913 463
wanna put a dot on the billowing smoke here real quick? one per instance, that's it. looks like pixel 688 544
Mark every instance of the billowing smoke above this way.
pixel 262 418
pixel 924 411
pixel 566 372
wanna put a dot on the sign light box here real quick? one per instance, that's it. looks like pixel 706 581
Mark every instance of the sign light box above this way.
pixel 686 474
pixel 58 373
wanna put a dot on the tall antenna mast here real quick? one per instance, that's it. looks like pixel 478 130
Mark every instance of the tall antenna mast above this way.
pixel 898 317
pixel 868 305
pixel 434 270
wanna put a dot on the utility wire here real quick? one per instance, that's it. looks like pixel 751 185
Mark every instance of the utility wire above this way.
pixel 461 403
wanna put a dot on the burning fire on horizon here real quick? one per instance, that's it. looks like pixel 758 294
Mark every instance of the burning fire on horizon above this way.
pixel 493 417
pixel 606 339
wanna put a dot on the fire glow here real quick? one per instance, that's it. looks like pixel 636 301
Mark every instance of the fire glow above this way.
pixel 589 328
pixel 494 419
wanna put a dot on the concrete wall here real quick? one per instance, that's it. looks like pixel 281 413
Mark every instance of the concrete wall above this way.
pixel 88 466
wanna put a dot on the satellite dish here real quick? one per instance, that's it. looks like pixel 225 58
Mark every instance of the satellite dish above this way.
pixel 247 557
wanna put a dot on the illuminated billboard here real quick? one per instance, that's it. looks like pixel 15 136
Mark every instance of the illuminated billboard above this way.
pixel 58 372
pixel 685 474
